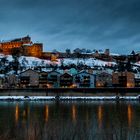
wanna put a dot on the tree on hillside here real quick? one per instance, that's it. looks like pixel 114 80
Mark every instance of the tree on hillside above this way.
pixel 15 54
pixel 121 66
pixel 128 66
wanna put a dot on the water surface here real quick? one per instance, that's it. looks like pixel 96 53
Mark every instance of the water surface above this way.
pixel 70 120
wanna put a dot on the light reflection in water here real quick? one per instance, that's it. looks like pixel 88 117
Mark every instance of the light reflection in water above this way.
pixel 103 120
pixel 74 113
pixel 129 115
pixel 17 113
pixel 28 111
pixel 24 113
pixel 46 113
pixel 100 116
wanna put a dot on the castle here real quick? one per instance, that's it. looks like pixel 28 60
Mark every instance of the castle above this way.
pixel 24 45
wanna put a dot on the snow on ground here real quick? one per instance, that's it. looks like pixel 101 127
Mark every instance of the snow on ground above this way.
pixel 2 55
pixel 9 58
pixel 99 98
pixel 27 98
pixel 137 63
pixel 89 62
pixel 114 54
pixel 33 61
pixel 37 98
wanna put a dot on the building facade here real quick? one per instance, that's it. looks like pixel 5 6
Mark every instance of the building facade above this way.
pixel 43 79
pixel 66 80
pixel 29 78
pixel 53 79
pixel 103 79
pixel 123 79
pixel 137 80
pixel 7 46
pixel 35 49
pixel 24 46
pixel 84 79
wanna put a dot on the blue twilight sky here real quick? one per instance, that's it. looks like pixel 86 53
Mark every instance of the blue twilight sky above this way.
pixel 61 24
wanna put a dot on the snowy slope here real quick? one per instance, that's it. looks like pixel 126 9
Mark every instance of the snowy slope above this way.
pixel 33 61
pixel 137 63
pixel 39 98
pixel 89 62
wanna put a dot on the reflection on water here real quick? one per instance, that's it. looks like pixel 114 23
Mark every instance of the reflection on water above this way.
pixel 70 120
pixel 129 114
pixel 16 113
pixel 74 113
pixel 46 113
pixel 100 115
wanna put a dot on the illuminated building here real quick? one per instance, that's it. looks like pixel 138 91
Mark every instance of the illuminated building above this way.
pixel 32 49
pixel 7 46
pixel 103 79
pixel 123 79
pixel 25 46
pixel 84 79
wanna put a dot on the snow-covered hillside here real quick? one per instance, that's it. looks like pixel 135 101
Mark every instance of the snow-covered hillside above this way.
pixel 89 62
pixel 33 61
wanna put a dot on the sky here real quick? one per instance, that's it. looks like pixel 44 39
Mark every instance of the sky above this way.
pixel 62 24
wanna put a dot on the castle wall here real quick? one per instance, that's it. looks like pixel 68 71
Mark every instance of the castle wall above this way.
pixel 24 44
pixel 6 47
pixel 33 50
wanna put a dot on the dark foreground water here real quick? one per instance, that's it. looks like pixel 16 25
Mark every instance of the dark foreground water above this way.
pixel 94 120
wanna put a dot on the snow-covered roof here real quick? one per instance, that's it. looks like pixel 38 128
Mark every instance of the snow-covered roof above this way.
pixel 29 70
pixel 53 71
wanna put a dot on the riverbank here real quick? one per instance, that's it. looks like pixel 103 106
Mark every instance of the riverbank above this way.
pixel 119 91
pixel 83 90
pixel 69 98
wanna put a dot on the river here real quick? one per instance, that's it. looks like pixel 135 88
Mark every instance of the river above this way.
pixel 70 120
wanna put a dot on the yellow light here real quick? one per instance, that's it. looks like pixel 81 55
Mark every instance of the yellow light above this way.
pixel 73 113
pixel 129 115
pixel 49 86
pixel 46 113
pixel 16 113
pixel 24 113
pixel 73 86
pixel 100 116
pixel 129 85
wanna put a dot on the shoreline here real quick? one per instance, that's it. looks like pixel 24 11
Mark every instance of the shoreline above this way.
pixel 62 94
pixel 83 90
pixel 70 98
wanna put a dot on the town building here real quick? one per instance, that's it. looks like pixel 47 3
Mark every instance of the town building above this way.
pixel 2 79
pixel 137 80
pixel 66 80
pixel 53 79
pixel 35 49
pixel 12 81
pixel 43 79
pixel 24 46
pixel 84 79
pixel 72 71
pixel 29 78
pixel 103 79
pixel 7 46
pixel 123 79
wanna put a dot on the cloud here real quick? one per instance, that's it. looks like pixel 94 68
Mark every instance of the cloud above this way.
pixel 61 24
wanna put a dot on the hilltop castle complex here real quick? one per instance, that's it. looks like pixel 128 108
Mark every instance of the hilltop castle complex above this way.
pixel 23 45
